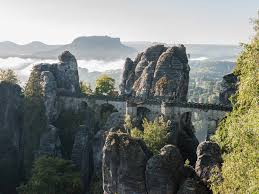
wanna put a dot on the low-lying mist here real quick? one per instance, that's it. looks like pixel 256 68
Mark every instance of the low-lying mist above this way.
pixel 23 66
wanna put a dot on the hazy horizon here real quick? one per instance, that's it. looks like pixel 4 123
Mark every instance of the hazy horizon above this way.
pixel 166 21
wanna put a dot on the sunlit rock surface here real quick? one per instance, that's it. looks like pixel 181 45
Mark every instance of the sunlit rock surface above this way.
pixel 158 71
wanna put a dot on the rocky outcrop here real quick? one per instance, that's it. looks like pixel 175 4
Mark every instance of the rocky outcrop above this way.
pixel 182 135
pixel 82 155
pixel 124 162
pixel 50 143
pixel 163 171
pixel 57 79
pixel 187 141
pixel 158 71
pixel 128 76
pixel 97 147
pixel 228 88
pixel 11 149
pixel 115 119
pixel 208 158
pixel 192 186
pixel 128 167
pixel 49 90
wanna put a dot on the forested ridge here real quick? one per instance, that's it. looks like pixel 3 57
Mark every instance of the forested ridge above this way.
pixel 238 133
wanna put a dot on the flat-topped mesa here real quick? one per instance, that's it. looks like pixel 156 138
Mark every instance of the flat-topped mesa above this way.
pixel 158 71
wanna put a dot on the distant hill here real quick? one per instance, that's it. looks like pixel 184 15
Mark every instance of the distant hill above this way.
pixel 91 47
pixel 10 49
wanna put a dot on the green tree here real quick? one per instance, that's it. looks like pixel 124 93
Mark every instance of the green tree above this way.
pixel 53 176
pixel 85 88
pixel 154 134
pixel 105 85
pixel 238 134
pixel 35 120
pixel 8 76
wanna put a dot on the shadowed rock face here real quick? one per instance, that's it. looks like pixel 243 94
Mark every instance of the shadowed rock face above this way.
pixel 124 162
pixel 187 141
pixel 57 79
pixel 50 143
pixel 158 71
pixel 228 88
pixel 208 157
pixel 182 135
pixel 10 136
pixel 192 186
pixel 163 171
pixel 82 155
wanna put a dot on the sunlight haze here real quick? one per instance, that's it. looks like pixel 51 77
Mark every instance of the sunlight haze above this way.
pixel 170 21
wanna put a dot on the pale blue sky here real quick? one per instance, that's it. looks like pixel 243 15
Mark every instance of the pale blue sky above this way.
pixel 170 21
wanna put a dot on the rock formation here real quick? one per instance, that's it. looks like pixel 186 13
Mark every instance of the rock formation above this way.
pixel 11 149
pixel 192 186
pixel 157 72
pixel 208 157
pixel 187 141
pixel 128 167
pixel 163 171
pixel 92 134
pixel 71 122
pixel 124 163
pixel 50 143
pixel 228 88
pixel 57 79
pixel 81 155
pixel 182 135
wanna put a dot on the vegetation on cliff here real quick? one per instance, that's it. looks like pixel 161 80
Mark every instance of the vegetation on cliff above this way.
pixel 238 134
pixel 35 120
pixel 154 134
pixel 53 176
pixel 8 76
pixel 85 88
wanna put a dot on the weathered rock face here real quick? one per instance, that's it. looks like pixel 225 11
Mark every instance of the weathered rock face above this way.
pixel 158 71
pixel 128 76
pixel 116 119
pixel 50 143
pixel 97 147
pixel 124 162
pixel 49 88
pixel 10 136
pixel 208 157
pixel 228 88
pixel 182 135
pixel 82 155
pixel 187 141
pixel 163 171
pixel 57 79
pixel 192 186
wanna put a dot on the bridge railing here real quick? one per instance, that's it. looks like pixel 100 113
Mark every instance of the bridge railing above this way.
pixel 157 100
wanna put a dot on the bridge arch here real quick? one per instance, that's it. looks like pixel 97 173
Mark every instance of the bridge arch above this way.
pixel 104 111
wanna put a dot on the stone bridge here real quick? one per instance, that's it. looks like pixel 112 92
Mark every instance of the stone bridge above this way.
pixel 152 108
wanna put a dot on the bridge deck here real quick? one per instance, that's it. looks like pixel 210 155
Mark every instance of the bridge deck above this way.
pixel 203 106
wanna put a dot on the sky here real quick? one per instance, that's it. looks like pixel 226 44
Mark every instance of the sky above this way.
pixel 168 21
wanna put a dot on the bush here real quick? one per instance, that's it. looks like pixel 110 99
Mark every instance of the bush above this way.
pixel 53 176
pixel 85 88
pixel 154 134
pixel 8 76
